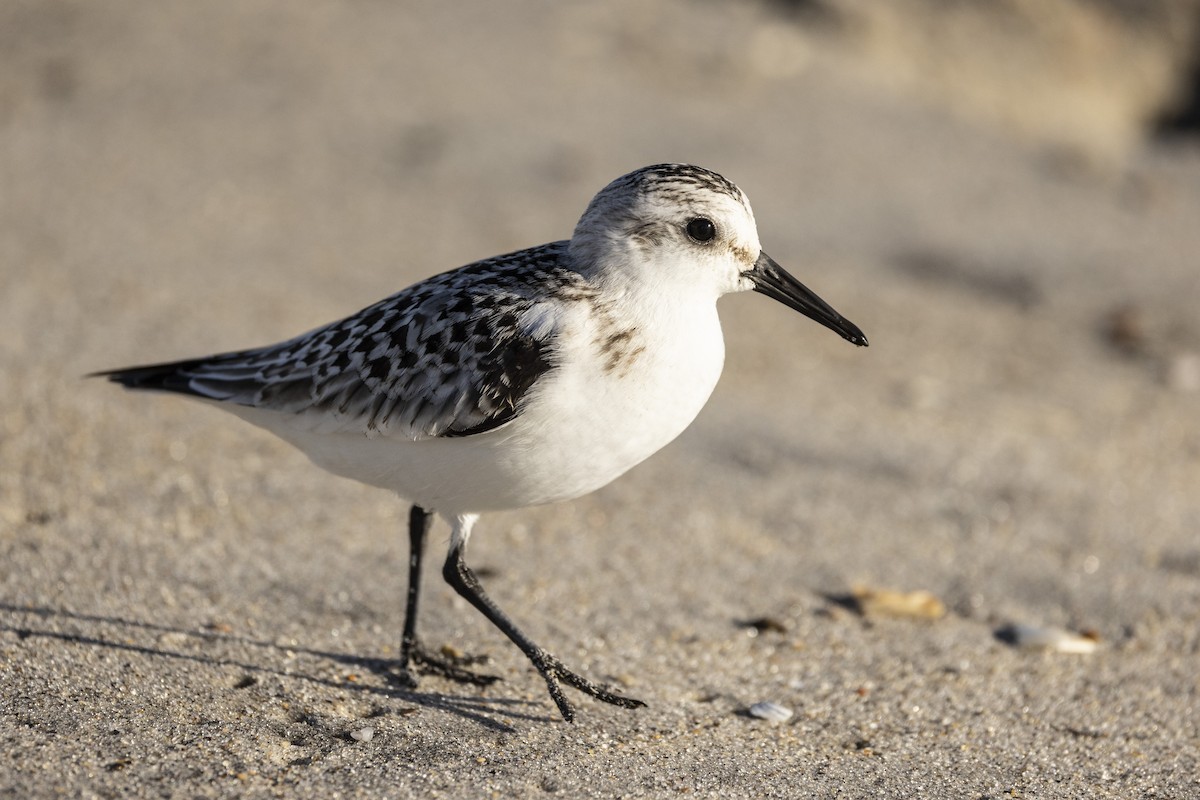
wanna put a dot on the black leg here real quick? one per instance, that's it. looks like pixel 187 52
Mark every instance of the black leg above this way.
pixel 411 651
pixel 418 528
pixel 460 576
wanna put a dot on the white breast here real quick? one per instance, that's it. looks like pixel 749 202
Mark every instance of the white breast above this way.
pixel 608 408
pixel 619 391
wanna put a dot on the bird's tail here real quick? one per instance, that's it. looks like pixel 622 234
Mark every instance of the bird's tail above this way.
pixel 174 376
pixel 191 377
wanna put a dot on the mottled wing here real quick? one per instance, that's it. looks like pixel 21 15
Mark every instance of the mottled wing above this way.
pixel 450 356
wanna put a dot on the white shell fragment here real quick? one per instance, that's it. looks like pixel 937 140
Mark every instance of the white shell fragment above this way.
pixel 363 734
pixel 772 712
pixel 1033 637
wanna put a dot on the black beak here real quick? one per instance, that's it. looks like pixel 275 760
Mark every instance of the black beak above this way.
pixel 775 282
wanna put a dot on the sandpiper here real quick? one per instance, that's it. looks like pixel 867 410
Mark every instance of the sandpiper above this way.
pixel 527 378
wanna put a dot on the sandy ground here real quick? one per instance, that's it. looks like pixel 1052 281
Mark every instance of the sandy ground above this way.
pixel 189 609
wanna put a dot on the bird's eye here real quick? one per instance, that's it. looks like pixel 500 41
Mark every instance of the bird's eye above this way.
pixel 701 229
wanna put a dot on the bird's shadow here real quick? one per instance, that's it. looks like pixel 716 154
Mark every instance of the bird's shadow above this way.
pixel 477 709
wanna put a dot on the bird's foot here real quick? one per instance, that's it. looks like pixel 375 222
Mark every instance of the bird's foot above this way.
pixel 554 671
pixel 451 666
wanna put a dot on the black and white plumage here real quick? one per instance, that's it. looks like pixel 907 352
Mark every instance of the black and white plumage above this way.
pixel 446 357
pixel 528 378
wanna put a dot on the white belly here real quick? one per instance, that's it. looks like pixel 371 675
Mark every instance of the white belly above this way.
pixel 585 423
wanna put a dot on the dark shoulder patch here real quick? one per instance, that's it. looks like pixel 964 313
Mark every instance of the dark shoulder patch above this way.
pixel 506 380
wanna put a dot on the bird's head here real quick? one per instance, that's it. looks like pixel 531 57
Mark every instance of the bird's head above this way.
pixel 681 226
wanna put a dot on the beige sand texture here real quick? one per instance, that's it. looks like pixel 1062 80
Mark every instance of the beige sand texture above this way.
pixel 189 609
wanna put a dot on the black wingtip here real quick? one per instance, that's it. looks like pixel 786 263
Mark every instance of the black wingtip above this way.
pixel 125 377
pixel 169 377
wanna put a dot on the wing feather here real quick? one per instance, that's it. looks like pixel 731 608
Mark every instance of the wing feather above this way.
pixel 454 355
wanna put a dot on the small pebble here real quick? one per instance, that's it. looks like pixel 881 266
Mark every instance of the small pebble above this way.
pixel 1124 327
pixel 772 712
pixel 760 625
pixel 363 734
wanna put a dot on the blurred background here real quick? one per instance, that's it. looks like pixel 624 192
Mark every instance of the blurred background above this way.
pixel 1004 195
pixel 215 152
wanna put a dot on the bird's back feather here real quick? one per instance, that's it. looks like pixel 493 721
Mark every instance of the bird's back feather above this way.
pixel 450 356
